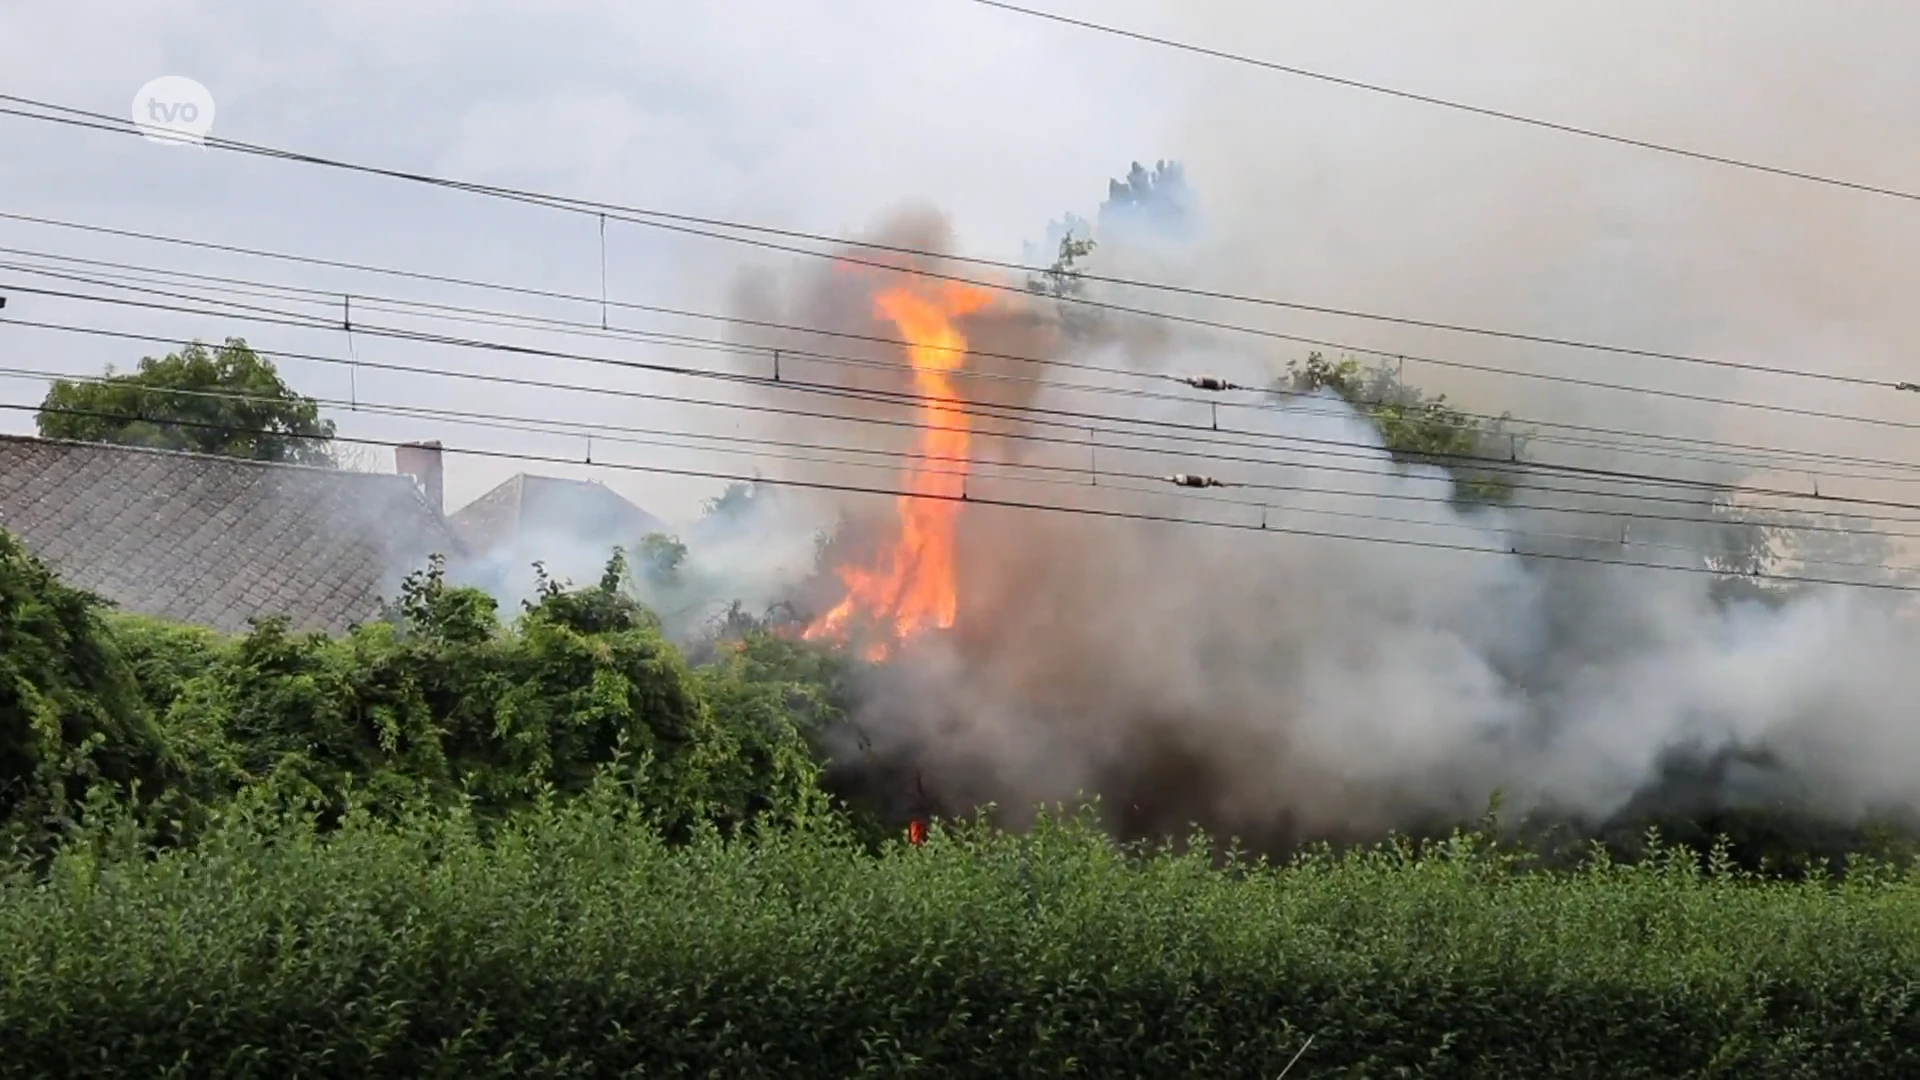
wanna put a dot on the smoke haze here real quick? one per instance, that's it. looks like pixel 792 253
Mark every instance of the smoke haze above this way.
pixel 1280 685
pixel 1260 680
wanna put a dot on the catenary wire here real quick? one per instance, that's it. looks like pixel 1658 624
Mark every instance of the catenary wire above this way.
pixel 667 221
pixel 763 324
pixel 1198 433
pixel 753 446
pixel 1077 444
pixel 121 272
pixel 624 434
pixel 1094 512
pixel 1023 413
pixel 1457 106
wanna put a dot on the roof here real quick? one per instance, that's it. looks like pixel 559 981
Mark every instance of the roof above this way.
pixel 214 540
pixel 526 505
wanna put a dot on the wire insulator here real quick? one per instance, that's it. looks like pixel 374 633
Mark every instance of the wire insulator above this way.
pixel 1209 382
pixel 1193 481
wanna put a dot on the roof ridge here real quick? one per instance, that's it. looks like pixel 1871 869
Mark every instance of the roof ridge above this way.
pixel 91 444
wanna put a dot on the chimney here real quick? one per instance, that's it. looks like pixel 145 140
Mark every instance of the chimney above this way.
pixel 421 460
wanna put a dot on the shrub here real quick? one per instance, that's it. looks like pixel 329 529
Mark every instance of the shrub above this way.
pixel 575 942
pixel 439 703
pixel 70 707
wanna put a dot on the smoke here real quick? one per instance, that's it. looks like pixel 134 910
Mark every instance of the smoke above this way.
pixel 1279 685
pixel 744 552
pixel 1324 194
pixel 1243 674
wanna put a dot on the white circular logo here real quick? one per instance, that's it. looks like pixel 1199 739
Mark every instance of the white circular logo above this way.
pixel 174 110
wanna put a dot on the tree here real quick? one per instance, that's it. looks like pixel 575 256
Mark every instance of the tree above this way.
pixel 1149 205
pixel 1063 279
pixel 661 558
pixel 735 502
pixel 226 400
pixel 1415 427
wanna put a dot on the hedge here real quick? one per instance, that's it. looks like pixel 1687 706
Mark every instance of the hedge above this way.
pixel 70 710
pixel 440 700
pixel 576 942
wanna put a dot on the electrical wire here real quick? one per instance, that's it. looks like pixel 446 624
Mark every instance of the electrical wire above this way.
pixel 1011 504
pixel 1457 106
pixel 667 221
pixel 754 447
pixel 1198 433
pixel 121 271
pixel 1093 472
pixel 620 434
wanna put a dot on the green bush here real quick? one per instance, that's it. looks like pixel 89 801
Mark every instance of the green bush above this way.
pixel 442 703
pixel 439 703
pixel 1415 427
pixel 71 714
pixel 576 943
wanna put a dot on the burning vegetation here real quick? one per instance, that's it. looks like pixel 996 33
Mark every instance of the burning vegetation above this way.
pixel 910 589
pixel 1264 682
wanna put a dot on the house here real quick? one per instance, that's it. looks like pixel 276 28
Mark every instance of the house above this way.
pixel 570 526
pixel 217 541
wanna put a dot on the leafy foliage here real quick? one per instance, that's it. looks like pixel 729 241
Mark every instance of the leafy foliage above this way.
pixel 735 502
pixel 443 702
pixel 439 704
pixel 1063 278
pixel 1156 201
pixel 1415 427
pixel 212 401
pixel 661 556
pixel 445 842
pixel 70 707
pixel 574 942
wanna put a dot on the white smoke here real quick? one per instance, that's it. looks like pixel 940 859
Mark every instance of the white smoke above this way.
pixel 1270 681
pixel 748 549
pixel 1277 683
pixel 1251 678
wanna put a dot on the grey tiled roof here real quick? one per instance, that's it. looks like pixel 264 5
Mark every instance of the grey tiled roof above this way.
pixel 526 505
pixel 213 540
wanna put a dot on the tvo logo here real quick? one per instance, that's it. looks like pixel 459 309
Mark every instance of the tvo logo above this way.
pixel 173 110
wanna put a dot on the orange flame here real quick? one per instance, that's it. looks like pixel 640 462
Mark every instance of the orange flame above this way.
pixel 916 832
pixel 912 589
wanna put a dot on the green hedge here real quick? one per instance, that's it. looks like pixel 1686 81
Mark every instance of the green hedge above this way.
pixel 71 716
pixel 440 701
pixel 576 943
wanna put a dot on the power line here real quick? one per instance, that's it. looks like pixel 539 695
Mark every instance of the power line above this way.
pixel 1094 512
pixel 602 329
pixel 1063 418
pixel 625 435
pixel 1457 106
pixel 667 221
pixel 763 324
pixel 1776 458
pixel 1201 433
pixel 1466 503
pixel 1080 444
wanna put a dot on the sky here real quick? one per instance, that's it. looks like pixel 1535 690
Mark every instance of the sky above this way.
pixel 804 115
pixel 824 115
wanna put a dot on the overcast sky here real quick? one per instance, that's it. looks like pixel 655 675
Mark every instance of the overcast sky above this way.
pixel 822 114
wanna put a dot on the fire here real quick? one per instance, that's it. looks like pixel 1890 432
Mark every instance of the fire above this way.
pixel 912 587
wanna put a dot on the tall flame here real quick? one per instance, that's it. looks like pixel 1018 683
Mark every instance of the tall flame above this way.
pixel 912 588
